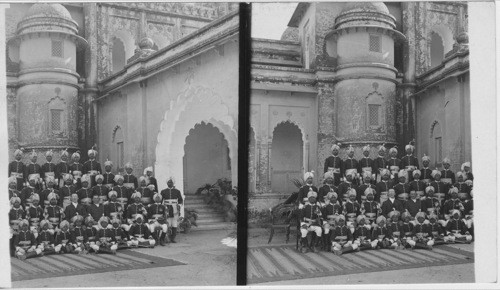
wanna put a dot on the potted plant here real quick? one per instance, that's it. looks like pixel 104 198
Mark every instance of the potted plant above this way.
pixel 189 220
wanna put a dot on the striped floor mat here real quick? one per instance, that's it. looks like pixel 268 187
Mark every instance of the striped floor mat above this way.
pixel 73 264
pixel 276 263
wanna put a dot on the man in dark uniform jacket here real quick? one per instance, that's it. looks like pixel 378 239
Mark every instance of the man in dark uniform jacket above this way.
pixel 304 189
pixel 418 185
pixel 383 186
pixel 13 192
pixel 351 163
pixel 49 168
pixel 74 208
pixel 380 163
pixel 66 191
pixel 365 164
pixel 440 188
pixel 327 187
pixel 342 238
pixel 101 190
pixel 402 188
pixel 426 171
pixel 77 169
pixel 463 188
pixel 129 180
pixel 447 176
pixel 148 173
pixel 334 163
pixel 92 167
pixel 29 191
pixel 346 185
pixel 466 170
pixel 414 205
pixel 109 178
pixel 62 168
pixel 17 169
pixel 394 162
pixel 34 170
pixel 172 198
pixel 391 204
pixel 409 162
pixel 360 191
pixel 310 216
pixel 25 242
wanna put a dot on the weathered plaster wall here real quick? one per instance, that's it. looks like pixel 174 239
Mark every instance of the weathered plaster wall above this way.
pixel 449 105
pixel 213 72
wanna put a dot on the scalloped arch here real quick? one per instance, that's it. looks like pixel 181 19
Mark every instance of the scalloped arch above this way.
pixel 293 122
pixel 189 109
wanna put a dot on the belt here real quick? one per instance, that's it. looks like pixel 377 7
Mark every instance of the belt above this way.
pixel 369 169
pixel 370 215
pixel 341 238
pixel 456 231
pixel 122 199
pixel 86 200
pixel 34 220
pixel 462 195
pixel 158 216
pixel 351 215
pixel 403 196
pixel 334 170
pixel 129 185
pixel 381 236
pixel 146 199
pixel 439 195
pixel 420 192
pixel 435 233
pixel 54 220
pixel 77 173
pixel 64 241
pixel 410 167
pixel 446 180
pixel 384 193
pixel 16 174
pixel 66 198
pixel 425 180
pixel 118 238
pixel 396 234
pixel 331 216
pixel 109 185
pixel 34 175
pixel 394 168
pixel 309 220
pixel 408 233
pixel 93 172
pixel 114 214
pixel 79 238
pixel 171 201
pixel 139 235
pixel 50 174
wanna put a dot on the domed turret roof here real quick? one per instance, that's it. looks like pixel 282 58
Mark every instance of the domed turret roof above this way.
pixel 47 17
pixel 365 7
pixel 48 10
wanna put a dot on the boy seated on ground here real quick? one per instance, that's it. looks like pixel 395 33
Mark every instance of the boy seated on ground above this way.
pixel 395 227
pixel 380 234
pixel 342 239
pixel 140 235
pixel 63 239
pixel 363 234
pixel 456 229
pixel 25 242
pixel 104 238
pixel 45 239
pixel 421 233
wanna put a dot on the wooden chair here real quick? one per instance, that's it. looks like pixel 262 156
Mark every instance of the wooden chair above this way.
pixel 281 219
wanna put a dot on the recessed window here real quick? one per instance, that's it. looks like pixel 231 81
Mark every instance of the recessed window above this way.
pixel 374 115
pixel 375 43
pixel 57 48
pixel 56 120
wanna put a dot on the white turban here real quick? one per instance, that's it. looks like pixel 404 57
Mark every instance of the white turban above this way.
pixel 308 174
pixel 335 147
pixel 75 155
pixel 12 179
pixel 435 172
pixel 18 152
pixel 402 173
pixel 409 146
pixel 136 194
pixel 141 178
pixel 328 174
pixel 108 163
pixel 425 157
pixel 128 165
pixel 147 169
pixel 311 193
pixel 416 171
pixel 118 177
pixel 350 149
pixel 446 160
pixel 85 178
pixel 466 164
pixel 366 148
pixel 49 153
pixel 381 218
pixel 393 149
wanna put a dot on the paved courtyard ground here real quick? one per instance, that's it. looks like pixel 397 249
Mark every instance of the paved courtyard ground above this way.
pixel 206 262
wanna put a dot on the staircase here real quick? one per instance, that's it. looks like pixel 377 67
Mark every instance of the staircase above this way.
pixel 208 218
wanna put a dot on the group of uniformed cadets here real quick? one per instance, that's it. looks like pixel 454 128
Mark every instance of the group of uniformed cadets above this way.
pixel 88 211
pixel 369 204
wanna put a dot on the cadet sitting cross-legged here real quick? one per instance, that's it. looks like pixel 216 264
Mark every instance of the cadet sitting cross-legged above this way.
pixel 342 238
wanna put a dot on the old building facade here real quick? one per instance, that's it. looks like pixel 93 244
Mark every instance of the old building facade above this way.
pixel 134 79
pixel 357 74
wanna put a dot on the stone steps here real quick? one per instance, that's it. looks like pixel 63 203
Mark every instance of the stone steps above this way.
pixel 208 218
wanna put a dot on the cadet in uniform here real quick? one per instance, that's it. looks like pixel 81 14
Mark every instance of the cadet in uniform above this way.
pixel 172 198
pixel 395 228
pixel 351 163
pixel 334 164
pixel 85 193
pixel 91 233
pixel 113 208
pixel 380 234
pixel 466 170
pixel 422 234
pixel 363 234
pixel 157 217
pixel 122 192
pixel 383 186
pixel 346 185
pixel 140 235
pixel 45 239
pixel 310 221
pixel 62 168
pixel 105 237
pixel 66 191
pixel 50 182
pixel 145 191
pixel 436 229
pixel 426 171
pixel 447 176
pixel 431 204
pixel 402 189
pixel 109 178
pixel 409 162
pixel 365 164
pixel 351 209
pixel 417 185
pixel 63 239
pixel 17 169
pixel 134 209
pixel 34 214
pixel 327 187
pixel 453 203
pixel 367 183
pixel 13 192
pixel 440 188
pixel 53 213
pixel 100 189
pixel 129 180
pixel 148 172
pixel 457 230
pixel 370 208
pixel 33 170
pixel 49 168
pixel 329 211
pixel 76 169
pixel 342 238
pixel 380 163
pixel 28 192
pixel 78 234
pixel 304 190
pixel 92 167
pixel 25 242
pixel 394 163
pixel 119 235
pixel 463 188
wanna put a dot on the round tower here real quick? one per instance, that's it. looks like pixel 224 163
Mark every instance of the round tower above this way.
pixel 47 82
pixel 365 87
